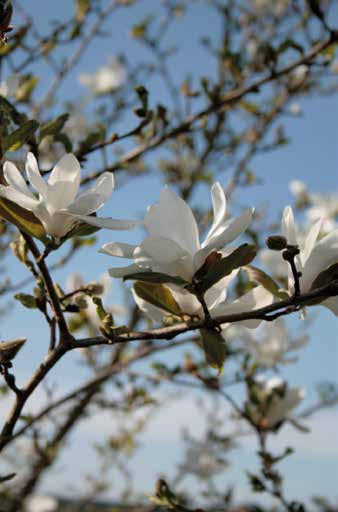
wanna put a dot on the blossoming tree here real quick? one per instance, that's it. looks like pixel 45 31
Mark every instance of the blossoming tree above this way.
pixel 201 289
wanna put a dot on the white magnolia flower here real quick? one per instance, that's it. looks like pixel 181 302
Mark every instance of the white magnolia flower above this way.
pixel 41 504
pixel 277 401
pixel 106 78
pixel 9 86
pixel 315 255
pixel 271 344
pixel 204 460
pixel 299 190
pixel 325 207
pixel 56 204
pixel 173 245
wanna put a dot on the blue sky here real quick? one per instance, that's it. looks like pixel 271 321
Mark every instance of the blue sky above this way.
pixel 312 156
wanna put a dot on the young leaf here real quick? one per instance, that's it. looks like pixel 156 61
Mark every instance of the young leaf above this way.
pixel 240 257
pixel 9 349
pixel 214 347
pixel 156 277
pixel 28 301
pixel 158 295
pixel 19 137
pixel 53 127
pixel 259 276
pixel 21 218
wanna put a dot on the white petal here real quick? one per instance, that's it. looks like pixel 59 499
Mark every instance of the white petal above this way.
pixel 108 223
pixel 288 226
pixel 281 408
pixel 15 179
pixel 118 249
pixel 219 208
pixel 223 236
pixel 60 196
pixel 324 254
pixel 187 302
pixel 67 171
pixel 163 255
pixel 120 272
pixel 153 312
pixel 172 218
pixel 34 176
pixel 256 298
pixel 94 198
pixel 310 241
pixel 19 198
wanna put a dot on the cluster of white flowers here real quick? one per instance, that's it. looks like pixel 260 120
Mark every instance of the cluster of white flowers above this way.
pixel 172 249
pixel 318 206
pixel 106 78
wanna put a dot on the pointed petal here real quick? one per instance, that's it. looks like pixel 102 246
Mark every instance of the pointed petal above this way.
pixel 324 254
pixel 288 226
pixel 34 176
pixel 68 172
pixel 224 236
pixel 15 179
pixel 256 298
pixel 172 218
pixel 311 240
pixel 25 201
pixel 94 198
pixel 118 249
pixel 219 208
pixel 164 255
pixel 108 223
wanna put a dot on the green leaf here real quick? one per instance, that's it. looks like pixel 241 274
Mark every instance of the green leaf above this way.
pixel 9 349
pixel 19 137
pixel 325 277
pixel 8 110
pixel 22 218
pixel 28 301
pixel 214 347
pixel 82 9
pixel 26 87
pixel 259 276
pixel 53 127
pixel 156 277
pixel 158 295
pixel 240 257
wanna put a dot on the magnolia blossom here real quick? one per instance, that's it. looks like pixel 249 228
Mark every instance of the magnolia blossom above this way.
pixel 321 206
pixel 56 204
pixel 173 245
pixel 106 79
pixel 204 460
pixel 9 86
pixel 277 401
pixel 315 255
pixel 271 344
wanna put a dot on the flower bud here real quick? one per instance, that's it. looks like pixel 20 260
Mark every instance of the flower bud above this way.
pixel 276 243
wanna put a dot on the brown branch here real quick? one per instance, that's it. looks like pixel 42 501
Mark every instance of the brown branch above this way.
pixel 65 336
pixel 228 99
pixel 266 313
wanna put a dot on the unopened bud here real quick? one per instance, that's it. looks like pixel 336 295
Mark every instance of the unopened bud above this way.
pixel 276 243
pixel 95 289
